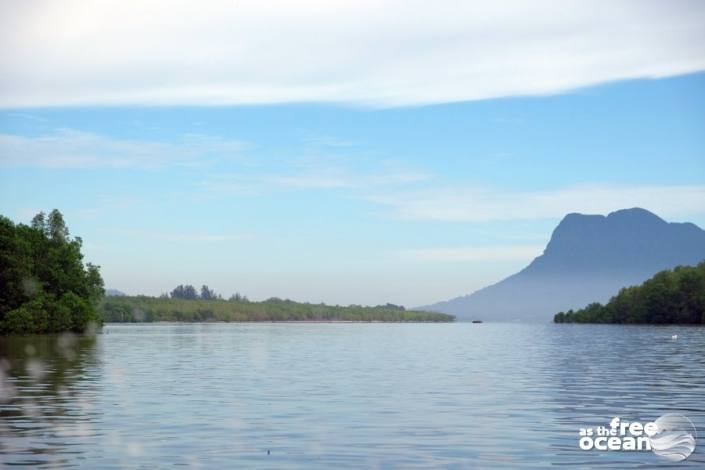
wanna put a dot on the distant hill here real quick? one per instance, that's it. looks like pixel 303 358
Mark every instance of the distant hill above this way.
pixel 588 259
pixel 114 293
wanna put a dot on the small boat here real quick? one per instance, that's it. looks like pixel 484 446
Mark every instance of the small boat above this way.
pixel 477 321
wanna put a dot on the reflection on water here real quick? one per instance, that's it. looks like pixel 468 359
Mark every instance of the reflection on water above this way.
pixel 345 395
pixel 47 397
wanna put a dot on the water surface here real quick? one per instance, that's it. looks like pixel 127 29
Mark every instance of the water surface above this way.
pixel 323 395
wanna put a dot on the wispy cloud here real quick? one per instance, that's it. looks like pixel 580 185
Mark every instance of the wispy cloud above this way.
pixel 102 205
pixel 341 178
pixel 472 253
pixel 24 116
pixel 70 148
pixel 390 53
pixel 314 175
pixel 186 237
pixel 201 237
pixel 327 141
pixel 463 205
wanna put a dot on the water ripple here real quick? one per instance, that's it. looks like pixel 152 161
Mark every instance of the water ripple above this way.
pixel 345 395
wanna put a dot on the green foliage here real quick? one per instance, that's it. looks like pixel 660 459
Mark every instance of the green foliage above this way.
pixel 142 308
pixel 188 292
pixel 670 297
pixel 56 228
pixel 30 317
pixel 83 312
pixel 208 294
pixel 62 318
pixel 184 292
pixel 44 285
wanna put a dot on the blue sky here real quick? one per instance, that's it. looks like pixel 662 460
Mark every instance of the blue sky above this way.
pixel 344 204
pixel 348 193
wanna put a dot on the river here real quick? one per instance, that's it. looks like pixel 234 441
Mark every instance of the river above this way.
pixel 325 395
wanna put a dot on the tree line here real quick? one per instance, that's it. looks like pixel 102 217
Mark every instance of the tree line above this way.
pixel 188 292
pixel 44 285
pixel 149 309
pixel 670 297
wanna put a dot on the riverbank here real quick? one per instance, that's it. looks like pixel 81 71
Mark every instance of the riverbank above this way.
pixel 151 309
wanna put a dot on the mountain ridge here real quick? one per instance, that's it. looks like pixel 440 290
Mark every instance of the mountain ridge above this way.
pixel 587 259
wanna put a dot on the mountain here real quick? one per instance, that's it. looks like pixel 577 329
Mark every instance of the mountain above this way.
pixel 588 259
pixel 114 293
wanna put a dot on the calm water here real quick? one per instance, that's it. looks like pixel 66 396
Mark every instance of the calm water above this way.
pixel 342 395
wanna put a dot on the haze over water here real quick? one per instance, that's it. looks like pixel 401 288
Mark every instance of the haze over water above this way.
pixel 343 395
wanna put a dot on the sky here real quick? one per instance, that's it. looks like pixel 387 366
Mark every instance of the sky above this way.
pixel 340 152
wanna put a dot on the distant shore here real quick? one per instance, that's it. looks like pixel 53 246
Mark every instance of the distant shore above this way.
pixel 670 297
pixel 169 322
pixel 143 309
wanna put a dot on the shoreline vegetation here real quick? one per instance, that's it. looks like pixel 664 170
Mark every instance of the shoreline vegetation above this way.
pixel 127 309
pixel 670 297
pixel 44 285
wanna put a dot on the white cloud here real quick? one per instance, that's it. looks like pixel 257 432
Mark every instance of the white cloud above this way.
pixel 462 205
pixel 68 148
pixel 394 52
pixel 473 253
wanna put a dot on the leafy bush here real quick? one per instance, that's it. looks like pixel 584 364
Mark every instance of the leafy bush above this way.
pixel 31 317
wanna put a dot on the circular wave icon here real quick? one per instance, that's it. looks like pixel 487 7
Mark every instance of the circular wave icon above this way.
pixel 675 437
